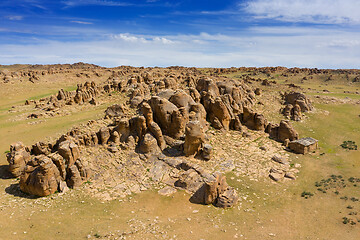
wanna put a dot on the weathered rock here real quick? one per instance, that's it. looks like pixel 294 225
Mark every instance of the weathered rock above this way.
pixel 207 152
pixel 279 159
pixel 40 148
pixel 60 163
pixel 156 131
pixel 74 179
pixel 190 181
pixel 115 137
pixel 300 99
pixel 296 103
pixel 17 158
pixel 290 175
pixel 276 174
pixel 41 177
pixel 104 135
pixel 194 138
pixel 179 118
pixel 209 86
pixel 116 110
pixel 181 99
pixel 93 101
pixel 138 127
pixel 149 144
pixel 69 151
pixel 136 101
pixel 286 131
pixel 227 199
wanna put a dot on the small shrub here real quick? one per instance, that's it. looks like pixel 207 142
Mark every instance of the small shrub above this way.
pixel 306 195
pixel 349 145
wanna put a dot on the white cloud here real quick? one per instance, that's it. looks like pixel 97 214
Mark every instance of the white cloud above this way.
pixel 312 11
pixel 305 47
pixel 141 39
pixel 82 22
pixel 75 3
pixel 15 17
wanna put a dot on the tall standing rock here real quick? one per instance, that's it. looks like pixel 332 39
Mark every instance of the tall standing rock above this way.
pixel 69 151
pixel 18 157
pixel 286 131
pixel 194 138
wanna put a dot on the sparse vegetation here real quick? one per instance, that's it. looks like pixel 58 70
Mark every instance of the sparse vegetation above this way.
pixel 306 195
pixel 349 145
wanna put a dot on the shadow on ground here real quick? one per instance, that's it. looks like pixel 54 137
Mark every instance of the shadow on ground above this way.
pixel 4 172
pixel 14 189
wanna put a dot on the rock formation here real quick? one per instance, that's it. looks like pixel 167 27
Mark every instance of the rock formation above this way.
pixel 295 104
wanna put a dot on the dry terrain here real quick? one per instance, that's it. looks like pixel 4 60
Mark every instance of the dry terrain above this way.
pixel 120 197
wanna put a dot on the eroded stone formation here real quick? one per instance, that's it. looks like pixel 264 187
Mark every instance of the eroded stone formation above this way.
pixel 44 169
pixel 85 93
pixel 295 104
pixel 174 112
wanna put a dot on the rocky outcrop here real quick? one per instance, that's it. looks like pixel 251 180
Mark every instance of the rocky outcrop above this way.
pixel 295 104
pixel 282 132
pixel 42 172
pixel 215 190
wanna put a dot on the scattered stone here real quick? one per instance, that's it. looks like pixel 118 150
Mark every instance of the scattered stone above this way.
pixel 167 191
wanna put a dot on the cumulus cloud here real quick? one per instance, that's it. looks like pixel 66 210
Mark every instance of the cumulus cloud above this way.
pixel 307 47
pixel 312 11
pixel 141 39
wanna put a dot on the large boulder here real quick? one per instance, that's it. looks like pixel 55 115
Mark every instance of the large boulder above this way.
pixel 194 138
pixel 253 120
pixel 286 131
pixel 181 99
pixel 69 151
pixel 17 158
pixel 209 86
pixel 215 190
pixel 148 144
pixel 104 135
pixel 41 177
pixel 116 110
pixel 76 175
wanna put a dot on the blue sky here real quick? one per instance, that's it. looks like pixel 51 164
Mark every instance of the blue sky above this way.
pixel 303 33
